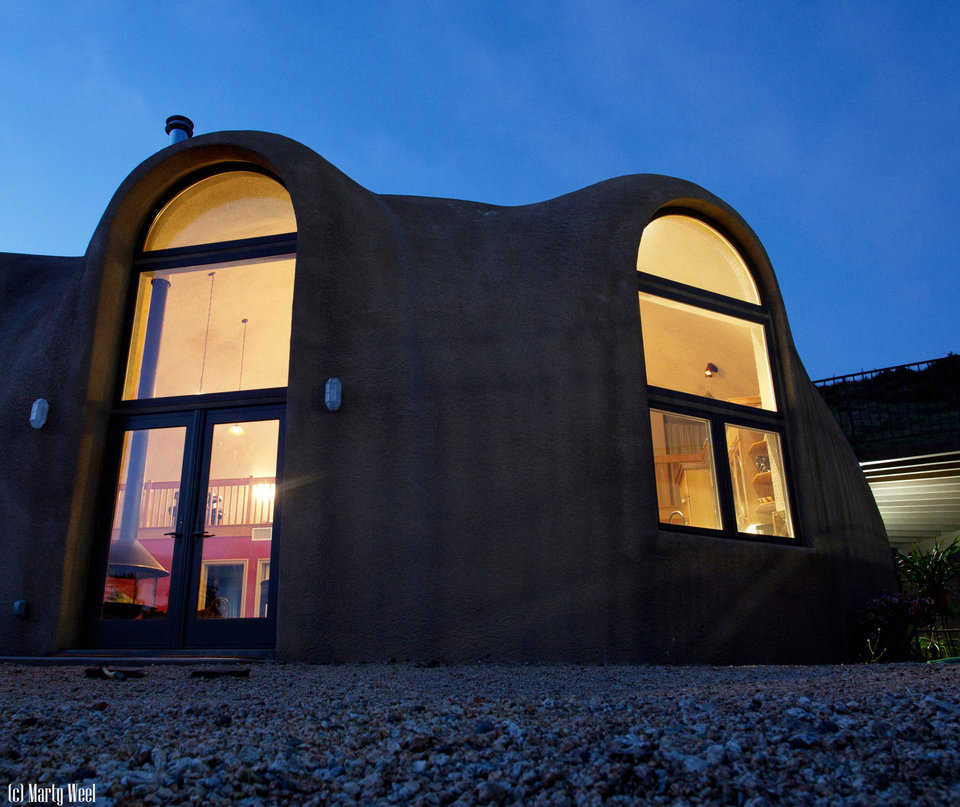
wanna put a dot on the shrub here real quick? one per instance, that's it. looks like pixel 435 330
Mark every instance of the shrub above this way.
pixel 929 572
pixel 890 624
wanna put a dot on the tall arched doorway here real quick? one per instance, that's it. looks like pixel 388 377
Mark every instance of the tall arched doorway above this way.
pixel 188 540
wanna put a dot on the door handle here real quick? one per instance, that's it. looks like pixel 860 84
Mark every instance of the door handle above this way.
pixel 174 534
pixel 204 534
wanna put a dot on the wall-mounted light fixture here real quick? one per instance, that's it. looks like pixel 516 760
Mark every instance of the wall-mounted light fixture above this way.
pixel 333 394
pixel 38 413
pixel 711 370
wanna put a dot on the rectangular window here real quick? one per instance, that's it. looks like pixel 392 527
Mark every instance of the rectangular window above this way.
pixel 223 589
pixel 262 591
pixel 683 462
pixel 680 343
pixel 216 328
pixel 759 484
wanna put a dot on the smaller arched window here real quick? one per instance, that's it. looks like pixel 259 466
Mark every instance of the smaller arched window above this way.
pixel 215 290
pixel 224 207
pixel 715 423
pixel 690 251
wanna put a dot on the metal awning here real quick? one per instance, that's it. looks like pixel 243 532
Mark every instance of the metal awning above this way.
pixel 918 497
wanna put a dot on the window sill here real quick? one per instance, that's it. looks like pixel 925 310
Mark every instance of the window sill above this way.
pixel 673 531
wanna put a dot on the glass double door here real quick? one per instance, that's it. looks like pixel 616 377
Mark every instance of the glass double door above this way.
pixel 188 547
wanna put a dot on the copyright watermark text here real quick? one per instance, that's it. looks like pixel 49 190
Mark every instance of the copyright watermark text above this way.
pixel 36 793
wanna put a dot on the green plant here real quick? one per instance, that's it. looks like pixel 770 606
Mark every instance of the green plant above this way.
pixel 928 572
pixel 873 652
pixel 933 648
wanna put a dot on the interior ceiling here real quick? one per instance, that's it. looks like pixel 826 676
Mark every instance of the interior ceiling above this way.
pixel 918 497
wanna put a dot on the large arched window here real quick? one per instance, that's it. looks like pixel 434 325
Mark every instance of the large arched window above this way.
pixel 215 291
pixel 715 422
pixel 197 429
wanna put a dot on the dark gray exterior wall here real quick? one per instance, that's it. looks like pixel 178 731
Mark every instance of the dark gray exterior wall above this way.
pixel 46 312
pixel 486 490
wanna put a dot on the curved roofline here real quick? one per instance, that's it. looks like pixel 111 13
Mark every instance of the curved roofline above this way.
pixel 155 175
pixel 620 206
pixel 147 184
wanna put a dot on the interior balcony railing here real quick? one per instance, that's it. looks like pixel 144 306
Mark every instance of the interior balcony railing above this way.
pixel 244 501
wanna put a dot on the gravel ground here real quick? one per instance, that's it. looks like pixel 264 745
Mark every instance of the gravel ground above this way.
pixel 399 734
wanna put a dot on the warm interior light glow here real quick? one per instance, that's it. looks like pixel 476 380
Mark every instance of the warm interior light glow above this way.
pixel 193 319
pixel 236 430
pixel 759 483
pixel 138 574
pixel 689 251
pixel 684 470
pixel 680 339
pixel 260 289
pixel 223 207
pixel 235 577
pixel 264 492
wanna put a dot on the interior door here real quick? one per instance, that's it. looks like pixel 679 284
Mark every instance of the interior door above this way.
pixel 190 560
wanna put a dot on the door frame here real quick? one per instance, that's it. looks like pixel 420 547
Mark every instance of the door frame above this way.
pixel 180 630
pixel 198 407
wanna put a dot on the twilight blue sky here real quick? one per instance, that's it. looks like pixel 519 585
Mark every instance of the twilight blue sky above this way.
pixel 832 127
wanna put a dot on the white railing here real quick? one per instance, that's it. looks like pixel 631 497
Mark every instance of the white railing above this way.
pixel 242 501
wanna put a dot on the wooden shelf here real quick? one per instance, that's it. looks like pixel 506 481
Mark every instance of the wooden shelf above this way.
pixel 676 459
pixel 759 447
pixel 762 480
pixel 747 400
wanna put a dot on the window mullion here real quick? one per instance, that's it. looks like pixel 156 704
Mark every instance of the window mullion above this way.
pixel 700 298
pixel 245 249
pixel 724 482
pixel 686 403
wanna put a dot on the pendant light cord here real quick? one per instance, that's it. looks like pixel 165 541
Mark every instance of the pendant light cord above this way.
pixel 243 350
pixel 206 335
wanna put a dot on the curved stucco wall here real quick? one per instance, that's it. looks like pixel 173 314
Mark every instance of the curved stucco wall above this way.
pixel 485 492
pixel 45 304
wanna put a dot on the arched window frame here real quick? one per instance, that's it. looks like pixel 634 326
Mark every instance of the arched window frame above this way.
pixel 198 414
pixel 720 413
pixel 270 246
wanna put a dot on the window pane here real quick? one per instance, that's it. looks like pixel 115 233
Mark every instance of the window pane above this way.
pixel 686 250
pixel 261 592
pixel 222 589
pixel 145 516
pixel 683 463
pixel 682 342
pixel 759 486
pixel 241 491
pixel 216 328
pixel 224 207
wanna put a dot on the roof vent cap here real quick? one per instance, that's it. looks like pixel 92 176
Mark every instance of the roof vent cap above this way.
pixel 179 127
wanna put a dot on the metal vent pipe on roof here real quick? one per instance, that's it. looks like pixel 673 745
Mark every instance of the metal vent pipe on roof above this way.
pixel 179 127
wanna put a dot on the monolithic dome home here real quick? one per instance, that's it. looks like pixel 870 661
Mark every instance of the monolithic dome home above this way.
pixel 271 410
